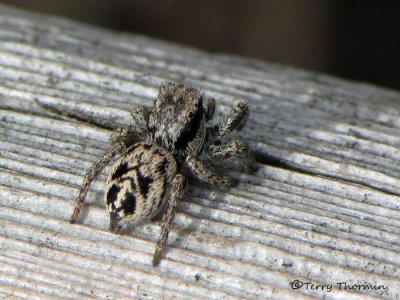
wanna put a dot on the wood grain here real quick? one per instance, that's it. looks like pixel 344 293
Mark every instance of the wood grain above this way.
pixel 323 208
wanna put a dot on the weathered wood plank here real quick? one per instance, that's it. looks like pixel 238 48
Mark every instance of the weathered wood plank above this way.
pixel 322 208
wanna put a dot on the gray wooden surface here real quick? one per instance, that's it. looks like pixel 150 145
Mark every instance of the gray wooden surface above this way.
pixel 323 208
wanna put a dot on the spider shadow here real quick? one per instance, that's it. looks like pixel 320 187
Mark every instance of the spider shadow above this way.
pixel 86 217
pixel 213 196
pixel 193 228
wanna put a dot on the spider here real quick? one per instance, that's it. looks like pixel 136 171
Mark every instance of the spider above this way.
pixel 168 141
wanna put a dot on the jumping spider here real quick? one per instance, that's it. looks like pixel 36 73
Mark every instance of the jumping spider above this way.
pixel 147 179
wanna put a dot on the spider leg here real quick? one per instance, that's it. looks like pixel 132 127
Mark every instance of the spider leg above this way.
pixel 204 173
pixel 233 150
pixel 140 115
pixel 121 139
pixel 235 121
pixel 178 186
pixel 91 174
pixel 124 137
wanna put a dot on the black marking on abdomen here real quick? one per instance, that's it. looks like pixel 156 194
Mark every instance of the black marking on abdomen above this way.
pixel 112 195
pixel 133 184
pixel 121 170
pixel 128 205
pixel 161 168
pixel 144 183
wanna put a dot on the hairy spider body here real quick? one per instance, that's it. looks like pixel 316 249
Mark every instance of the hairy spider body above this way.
pixel 177 120
pixel 139 185
pixel 146 180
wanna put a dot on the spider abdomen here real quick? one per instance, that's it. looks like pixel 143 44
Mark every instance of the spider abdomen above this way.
pixel 138 185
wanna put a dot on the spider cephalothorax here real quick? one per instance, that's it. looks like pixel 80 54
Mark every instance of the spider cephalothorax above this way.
pixel 147 179
pixel 177 120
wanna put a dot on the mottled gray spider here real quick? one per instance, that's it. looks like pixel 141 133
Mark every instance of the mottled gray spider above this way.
pixel 172 137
